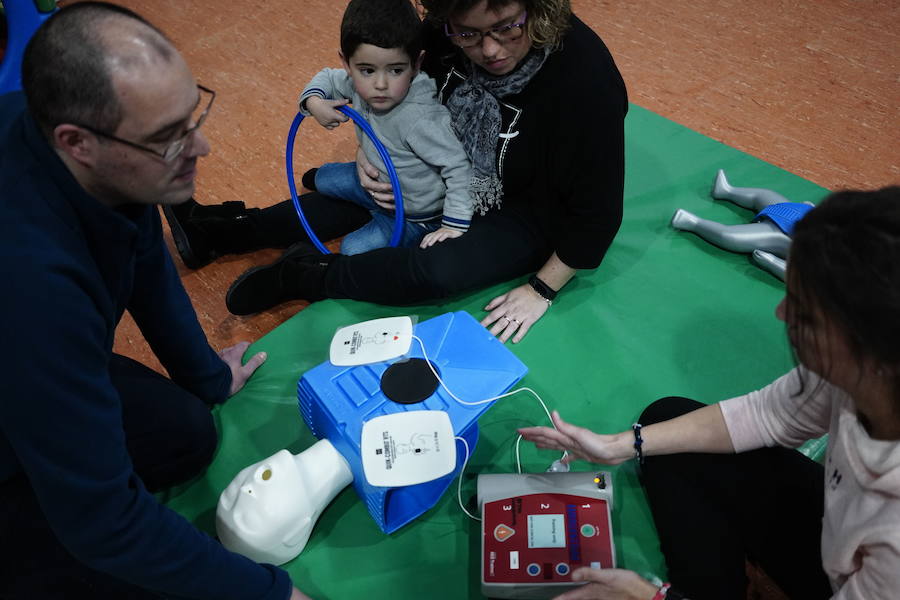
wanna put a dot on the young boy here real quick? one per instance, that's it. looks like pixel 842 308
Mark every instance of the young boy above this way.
pixel 381 52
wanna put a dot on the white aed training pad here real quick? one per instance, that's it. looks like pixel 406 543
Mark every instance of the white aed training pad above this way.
pixel 371 341
pixel 407 448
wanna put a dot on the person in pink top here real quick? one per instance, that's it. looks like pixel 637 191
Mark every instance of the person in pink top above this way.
pixel 723 481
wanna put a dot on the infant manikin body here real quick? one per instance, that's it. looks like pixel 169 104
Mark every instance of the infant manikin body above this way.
pixel 768 239
pixel 268 511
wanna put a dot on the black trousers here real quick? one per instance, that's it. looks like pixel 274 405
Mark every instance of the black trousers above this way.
pixel 714 511
pixel 171 438
pixel 499 246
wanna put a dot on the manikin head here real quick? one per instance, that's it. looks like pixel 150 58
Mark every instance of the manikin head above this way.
pixel 268 511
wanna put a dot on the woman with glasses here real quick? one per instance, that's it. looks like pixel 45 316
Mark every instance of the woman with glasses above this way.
pixel 539 105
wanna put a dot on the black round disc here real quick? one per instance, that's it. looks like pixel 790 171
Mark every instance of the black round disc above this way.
pixel 408 382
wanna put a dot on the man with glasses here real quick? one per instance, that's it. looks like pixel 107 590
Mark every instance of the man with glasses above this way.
pixel 108 127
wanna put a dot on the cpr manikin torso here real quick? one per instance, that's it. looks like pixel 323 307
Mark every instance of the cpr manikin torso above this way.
pixel 768 241
pixel 268 511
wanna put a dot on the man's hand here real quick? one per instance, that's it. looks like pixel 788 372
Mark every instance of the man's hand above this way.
pixel 609 584
pixel 298 595
pixel 439 235
pixel 325 111
pixel 382 193
pixel 240 372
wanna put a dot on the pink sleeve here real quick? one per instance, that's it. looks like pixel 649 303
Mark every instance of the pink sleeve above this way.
pixel 787 412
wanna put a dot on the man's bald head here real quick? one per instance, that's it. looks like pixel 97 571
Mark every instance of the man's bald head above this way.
pixel 69 64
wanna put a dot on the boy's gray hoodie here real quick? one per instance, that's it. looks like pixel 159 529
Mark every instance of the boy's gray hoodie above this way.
pixel 431 164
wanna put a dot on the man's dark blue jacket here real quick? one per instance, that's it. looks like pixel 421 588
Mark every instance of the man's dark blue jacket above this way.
pixel 70 267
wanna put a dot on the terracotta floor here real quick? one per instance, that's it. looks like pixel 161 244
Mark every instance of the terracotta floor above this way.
pixel 811 87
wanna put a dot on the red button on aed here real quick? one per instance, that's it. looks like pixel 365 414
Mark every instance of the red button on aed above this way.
pixel 503 533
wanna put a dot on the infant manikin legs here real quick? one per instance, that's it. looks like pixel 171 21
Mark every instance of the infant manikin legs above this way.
pixel 767 238
pixel 754 199
pixel 763 235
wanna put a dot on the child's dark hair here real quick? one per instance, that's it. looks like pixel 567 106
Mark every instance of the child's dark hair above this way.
pixel 845 260
pixel 382 23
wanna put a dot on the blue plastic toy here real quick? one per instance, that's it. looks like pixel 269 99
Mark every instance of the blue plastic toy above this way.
pixel 23 17
pixel 382 152
pixel 335 402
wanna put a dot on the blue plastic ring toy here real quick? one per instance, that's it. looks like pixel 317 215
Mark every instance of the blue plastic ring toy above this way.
pixel 385 157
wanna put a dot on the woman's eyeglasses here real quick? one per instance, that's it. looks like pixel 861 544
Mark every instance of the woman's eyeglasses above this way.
pixel 502 34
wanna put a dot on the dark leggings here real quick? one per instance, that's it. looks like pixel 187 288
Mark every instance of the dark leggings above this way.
pixel 499 246
pixel 170 437
pixel 714 511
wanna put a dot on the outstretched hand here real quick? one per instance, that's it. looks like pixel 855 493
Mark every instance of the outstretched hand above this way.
pixel 513 313
pixel 579 442
pixel 240 371
pixel 609 584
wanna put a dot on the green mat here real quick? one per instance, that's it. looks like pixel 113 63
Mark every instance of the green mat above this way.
pixel 666 314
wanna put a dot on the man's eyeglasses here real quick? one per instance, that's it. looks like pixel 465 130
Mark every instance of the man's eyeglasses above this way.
pixel 502 34
pixel 174 148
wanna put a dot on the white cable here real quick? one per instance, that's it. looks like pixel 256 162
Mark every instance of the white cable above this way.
pixel 466 444
pixel 459 482
pixel 507 394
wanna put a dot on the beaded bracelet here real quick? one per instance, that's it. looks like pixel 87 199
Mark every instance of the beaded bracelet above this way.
pixel 638 441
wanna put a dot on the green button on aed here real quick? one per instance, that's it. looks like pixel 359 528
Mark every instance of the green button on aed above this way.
pixel 588 530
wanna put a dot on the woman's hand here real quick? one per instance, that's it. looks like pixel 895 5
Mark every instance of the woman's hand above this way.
pixel 609 584
pixel 581 443
pixel 381 192
pixel 325 111
pixel 439 235
pixel 514 313
pixel 240 373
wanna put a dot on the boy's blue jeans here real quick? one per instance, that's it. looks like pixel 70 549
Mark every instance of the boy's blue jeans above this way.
pixel 340 180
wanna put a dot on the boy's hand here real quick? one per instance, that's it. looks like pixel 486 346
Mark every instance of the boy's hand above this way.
pixel 444 233
pixel 325 111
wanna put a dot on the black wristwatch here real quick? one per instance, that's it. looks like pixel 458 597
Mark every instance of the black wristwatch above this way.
pixel 546 292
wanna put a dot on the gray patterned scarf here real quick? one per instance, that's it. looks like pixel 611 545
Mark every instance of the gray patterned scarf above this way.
pixel 475 115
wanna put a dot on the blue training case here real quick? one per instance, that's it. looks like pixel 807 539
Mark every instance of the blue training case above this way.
pixel 335 402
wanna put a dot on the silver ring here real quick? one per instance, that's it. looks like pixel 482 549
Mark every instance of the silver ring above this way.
pixel 505 317
pixel 516 321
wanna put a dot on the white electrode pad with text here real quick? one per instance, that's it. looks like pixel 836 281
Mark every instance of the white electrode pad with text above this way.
pixel 371 341
pixel 407 448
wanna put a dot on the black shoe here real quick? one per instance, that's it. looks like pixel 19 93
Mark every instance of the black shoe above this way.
pixel 298 274
pixel 203 233
pixel 309 180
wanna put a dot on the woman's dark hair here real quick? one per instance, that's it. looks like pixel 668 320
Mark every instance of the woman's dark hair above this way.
pixel 548 20
pixel 845 261
pixel 65 71
pixel 382 23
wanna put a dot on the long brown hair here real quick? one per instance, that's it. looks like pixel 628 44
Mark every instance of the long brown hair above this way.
pixel 845 262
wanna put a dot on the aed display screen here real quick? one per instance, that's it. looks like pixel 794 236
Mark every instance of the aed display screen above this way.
pixel 546 531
